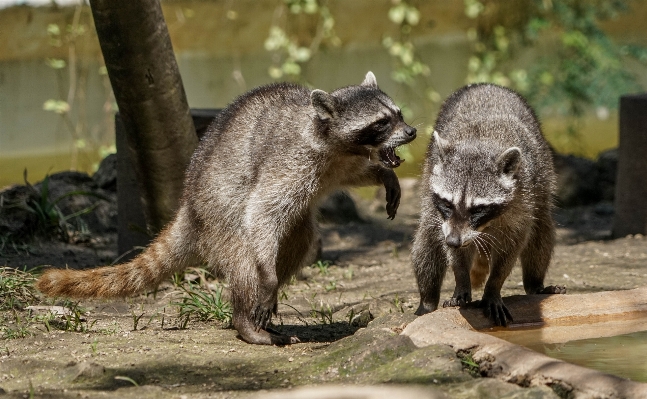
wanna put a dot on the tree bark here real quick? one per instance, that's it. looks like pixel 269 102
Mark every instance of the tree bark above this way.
pixel 152 103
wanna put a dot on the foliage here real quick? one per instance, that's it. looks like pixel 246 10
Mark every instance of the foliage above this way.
pixel 72 77
pixel 16 289
pixel 50 218
pixel 580 67
pixel 552 51
pixel 288 55
pixel 322 266
pixel 202 302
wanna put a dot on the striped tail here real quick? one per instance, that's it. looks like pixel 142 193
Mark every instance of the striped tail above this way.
pixel 159 260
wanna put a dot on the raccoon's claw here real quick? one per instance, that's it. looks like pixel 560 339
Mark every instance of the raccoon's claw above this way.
pixel 495 309
pixel 458 300
pixel 552 289
pixel 262 317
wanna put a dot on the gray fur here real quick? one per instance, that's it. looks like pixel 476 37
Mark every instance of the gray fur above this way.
pixel 487 200
pixel 254 182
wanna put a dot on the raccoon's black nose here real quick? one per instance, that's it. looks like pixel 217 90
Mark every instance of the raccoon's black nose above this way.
pixel 410 131
pixel 453 241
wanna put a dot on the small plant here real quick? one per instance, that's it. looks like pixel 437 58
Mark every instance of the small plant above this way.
pixel 14 332
pixel 469 364
pixel 51 219
pixel 16 289
pixel 73 321
pixel 93 346
pixel 204 305
pixel 128 379
pixel 322 265
pixel 349 274
pixel 136 319
pixel 332 285
pixel 397 302
pixel 323 312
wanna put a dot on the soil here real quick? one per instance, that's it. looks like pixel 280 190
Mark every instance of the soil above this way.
pixel 118 353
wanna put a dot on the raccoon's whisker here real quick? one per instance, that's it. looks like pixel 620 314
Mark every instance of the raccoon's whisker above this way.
pixel 492 244
pixel 480 246
pixel 492 237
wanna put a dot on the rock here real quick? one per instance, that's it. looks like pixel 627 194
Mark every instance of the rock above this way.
pixel 577 181
pixel 339 208
pixel 16 219
pixel 79 193
pixel 83 370
pixel 489 388
pixel 106 176
pixel 581 181
pixel 355 392
pixel 607 164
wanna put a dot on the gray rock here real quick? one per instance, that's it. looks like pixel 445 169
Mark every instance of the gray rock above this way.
pixel 490 388
pixel 577 181
pixel 16 220
pixel 106 176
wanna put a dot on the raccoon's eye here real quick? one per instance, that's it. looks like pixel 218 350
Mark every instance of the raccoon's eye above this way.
pixel 479 215
pixel 382 123
pixel 445 207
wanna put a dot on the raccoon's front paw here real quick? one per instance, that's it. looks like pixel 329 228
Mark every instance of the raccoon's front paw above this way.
pixel 458 300
pixel 553 289
pixel 393 193
pixel 495 309
pixel 262 316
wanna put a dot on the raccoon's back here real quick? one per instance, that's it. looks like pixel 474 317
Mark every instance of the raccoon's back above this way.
pixel 485 104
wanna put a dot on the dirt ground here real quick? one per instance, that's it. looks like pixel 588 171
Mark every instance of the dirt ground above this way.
pixel 136 348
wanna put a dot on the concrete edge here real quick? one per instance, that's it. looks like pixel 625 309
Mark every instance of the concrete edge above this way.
pixel 512 363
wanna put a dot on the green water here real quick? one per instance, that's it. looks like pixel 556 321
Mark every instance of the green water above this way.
pixel 622 355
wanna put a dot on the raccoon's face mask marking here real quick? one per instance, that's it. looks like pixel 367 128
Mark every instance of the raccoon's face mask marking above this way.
pixel 369 122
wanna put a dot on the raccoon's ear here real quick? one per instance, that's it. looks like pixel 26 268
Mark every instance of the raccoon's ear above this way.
pixel 441 144
pixel 509 161
pixel 370 80
pixel 324 104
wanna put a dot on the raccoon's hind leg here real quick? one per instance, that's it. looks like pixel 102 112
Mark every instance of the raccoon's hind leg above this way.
pixel 255 287
pixel 535 257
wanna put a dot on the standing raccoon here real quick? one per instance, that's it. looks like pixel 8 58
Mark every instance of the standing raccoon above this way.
pixel 487 200
pixel 251 191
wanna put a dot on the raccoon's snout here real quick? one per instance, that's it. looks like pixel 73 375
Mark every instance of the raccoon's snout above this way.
pixel 410 132
pixel 455 240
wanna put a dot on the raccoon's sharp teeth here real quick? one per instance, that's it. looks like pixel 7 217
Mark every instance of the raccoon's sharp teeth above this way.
pixel 389 158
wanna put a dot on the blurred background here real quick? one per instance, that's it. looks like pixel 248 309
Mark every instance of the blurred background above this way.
pixel 572 59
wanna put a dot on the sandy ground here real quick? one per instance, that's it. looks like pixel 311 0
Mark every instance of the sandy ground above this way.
pixel 370 270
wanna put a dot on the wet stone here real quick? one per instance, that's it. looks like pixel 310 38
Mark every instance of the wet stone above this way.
pixel 489 388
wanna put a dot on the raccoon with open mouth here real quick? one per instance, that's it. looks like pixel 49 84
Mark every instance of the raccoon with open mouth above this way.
pixel 250 196
pixel 487 200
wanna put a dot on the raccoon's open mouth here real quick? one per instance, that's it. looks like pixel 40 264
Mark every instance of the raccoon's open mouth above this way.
pixel 389 158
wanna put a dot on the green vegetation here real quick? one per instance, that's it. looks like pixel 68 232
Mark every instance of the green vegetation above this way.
pixel 16 289
pixel 200 301
pixel 554 52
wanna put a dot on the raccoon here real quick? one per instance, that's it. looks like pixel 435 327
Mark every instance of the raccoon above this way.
pixel 250 193
pixel 487 199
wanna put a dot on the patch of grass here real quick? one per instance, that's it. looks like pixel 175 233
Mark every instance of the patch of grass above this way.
pixel 202 304
pixel 399 305
pixel 73 321
pixel 17 289
pixel 51 220
pixel 469 363
pixel 19 331
pixel 322 311
pixel 323 266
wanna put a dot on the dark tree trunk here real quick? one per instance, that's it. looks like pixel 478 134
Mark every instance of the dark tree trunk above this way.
pixel 152 103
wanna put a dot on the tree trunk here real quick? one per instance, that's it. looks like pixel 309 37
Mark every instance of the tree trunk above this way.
pixel 152 103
